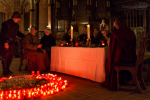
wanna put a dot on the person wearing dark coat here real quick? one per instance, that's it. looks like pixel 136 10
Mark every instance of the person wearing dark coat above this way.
pixel 67 37
pixel 83 36
pixel 122 49
pixel 9 31
pixel 47 41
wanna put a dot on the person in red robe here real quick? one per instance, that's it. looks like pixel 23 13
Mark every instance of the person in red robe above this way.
pixel 122 50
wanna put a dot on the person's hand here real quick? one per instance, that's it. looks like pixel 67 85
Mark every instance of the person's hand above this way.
pixel 6 45
pixel 44 51
pixel 40 46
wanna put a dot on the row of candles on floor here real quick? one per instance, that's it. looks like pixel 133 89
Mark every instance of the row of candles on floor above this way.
pixel 55 85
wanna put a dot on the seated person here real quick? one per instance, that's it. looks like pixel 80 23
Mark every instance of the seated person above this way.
pixel 83 36
pixel 122 49
pixel 97 37
pixel 67 37
pixel 106 35
pixel 37 57
pixel 47 41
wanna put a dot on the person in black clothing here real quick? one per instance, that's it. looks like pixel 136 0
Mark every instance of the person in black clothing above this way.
pixel 67 37
pixel 47 41
pixel 9 31
pixel 83 36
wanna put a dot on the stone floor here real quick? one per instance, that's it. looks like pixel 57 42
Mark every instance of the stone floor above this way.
pixel 83 89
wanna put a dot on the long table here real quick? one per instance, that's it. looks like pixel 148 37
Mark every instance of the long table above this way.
pixel 84 62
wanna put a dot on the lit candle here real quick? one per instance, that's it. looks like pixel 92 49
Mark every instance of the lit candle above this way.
pixel 38 72
pixel 88 31
pixel 33 73
pixel 71 32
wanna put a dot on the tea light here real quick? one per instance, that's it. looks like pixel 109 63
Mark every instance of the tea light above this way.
pixel 38 72
pixel 76 44
pixel 33 72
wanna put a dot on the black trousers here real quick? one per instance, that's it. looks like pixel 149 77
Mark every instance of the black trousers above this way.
pixel 7 56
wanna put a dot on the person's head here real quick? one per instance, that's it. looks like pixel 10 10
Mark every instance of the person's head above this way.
pixel 106 27
pixel 103 21
pixel 33 30
pixel 16 17
pixel 47 31
pixel 120 22
pixel 84 30
pixel 95 30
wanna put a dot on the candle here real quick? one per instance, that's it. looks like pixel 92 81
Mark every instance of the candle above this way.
pixel 38 72
pixel 76 44
pixel 88 31
pixel 33 73
pixel 103 43
pixel 71 32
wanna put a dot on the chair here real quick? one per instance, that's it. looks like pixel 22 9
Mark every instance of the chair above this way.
pixel 135 69
pixel 22 54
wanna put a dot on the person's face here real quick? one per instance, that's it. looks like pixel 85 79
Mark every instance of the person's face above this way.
pixel 107 28
pixel 16 20
pixel 84 30
pixel 95 31
pixel 115 25
pixel 103 21
pixel 47 32
pixel 33 31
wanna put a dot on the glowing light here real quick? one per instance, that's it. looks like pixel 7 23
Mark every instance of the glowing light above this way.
pixel 54 85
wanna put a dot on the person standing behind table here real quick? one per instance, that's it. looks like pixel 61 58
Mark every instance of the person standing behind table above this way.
pixel 122 49
pixel 93 35
pixel 83 36
pixel 9 31
pixel 67 37
pixel 47 41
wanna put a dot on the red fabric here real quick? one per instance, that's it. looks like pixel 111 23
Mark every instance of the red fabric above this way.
pixel 122 49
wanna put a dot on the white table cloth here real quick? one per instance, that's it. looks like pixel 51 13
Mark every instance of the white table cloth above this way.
pixel 84 62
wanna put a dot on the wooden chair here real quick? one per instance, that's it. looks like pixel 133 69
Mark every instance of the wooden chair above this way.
pixel 22 54
pixel 135 70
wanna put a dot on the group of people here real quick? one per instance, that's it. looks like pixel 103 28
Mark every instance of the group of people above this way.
pixel 98 35
pixel 122 49
pixel 37 52
pixel 122 46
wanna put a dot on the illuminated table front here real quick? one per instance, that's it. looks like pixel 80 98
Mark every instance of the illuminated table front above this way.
pixel 84 62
